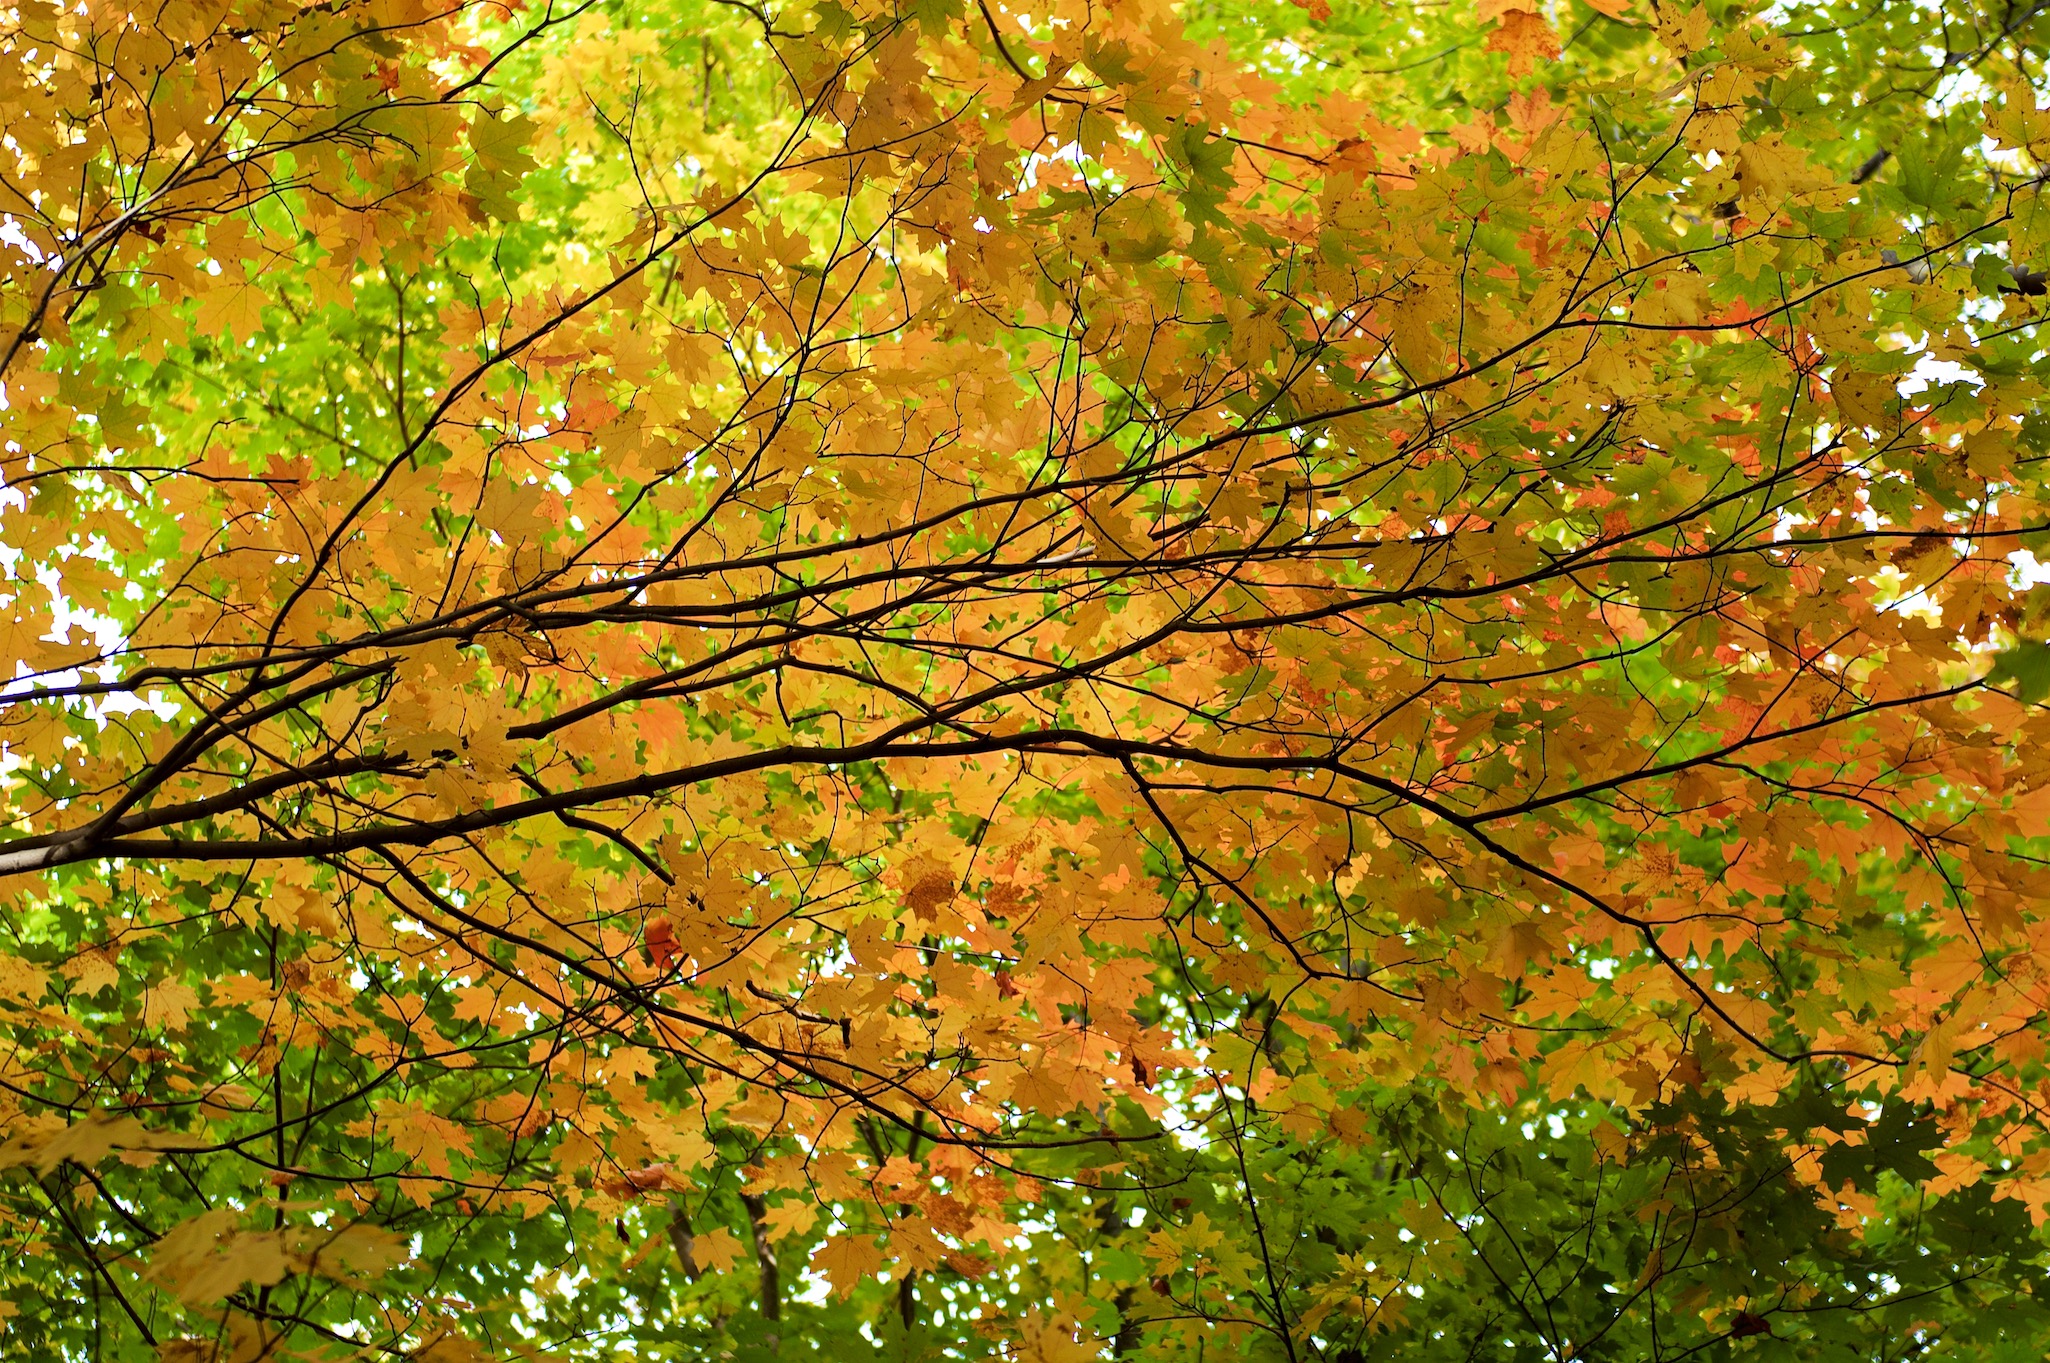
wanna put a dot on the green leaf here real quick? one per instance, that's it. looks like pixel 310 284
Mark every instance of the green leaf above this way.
pixel 2025 667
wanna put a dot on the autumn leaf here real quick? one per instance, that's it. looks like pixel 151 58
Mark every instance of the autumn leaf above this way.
pixel 847 1261
pixel 1118 687
pixel 87 1142
pixel 1526 37
pixel 718 1250
pixel 232 307
pixel 1683 31
pixel 790 1218
pixel 168 1004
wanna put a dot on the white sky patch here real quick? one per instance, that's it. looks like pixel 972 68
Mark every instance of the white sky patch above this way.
pixel 1930 371
pixel 12 235
pixel 2029 571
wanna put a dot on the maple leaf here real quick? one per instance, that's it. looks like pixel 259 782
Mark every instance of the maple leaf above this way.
pixel 1124 622
pixel 86 1142
pixel 20 980
pixel 168 1004
pixel 92 973
pixel 681 1146
pixel 662 944
pixel 718 1250
pixel 847 1260
pixel 790 1217
pixel 233 307
pixel 1526 36
pixel 1683 31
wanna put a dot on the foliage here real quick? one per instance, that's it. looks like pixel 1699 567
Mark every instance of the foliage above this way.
pixel 774 680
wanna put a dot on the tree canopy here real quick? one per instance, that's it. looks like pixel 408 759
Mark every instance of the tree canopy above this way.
pixel 742 679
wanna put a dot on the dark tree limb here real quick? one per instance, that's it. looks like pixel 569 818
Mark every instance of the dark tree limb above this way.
pixel 765 1255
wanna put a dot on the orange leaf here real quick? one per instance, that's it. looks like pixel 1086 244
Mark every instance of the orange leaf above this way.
pixel 1526 37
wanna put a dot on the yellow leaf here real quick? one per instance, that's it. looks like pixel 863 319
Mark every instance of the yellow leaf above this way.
pixel 91 972
pixel 847 1260
pixel 680 1147
pixel 1683 32
pixel 790 1217
pixel 717 1250
pixel 209 1257
pixel 167 1004
pixel 233 307
pixel 85 1142
pixel 20 981
pixel 1526 37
